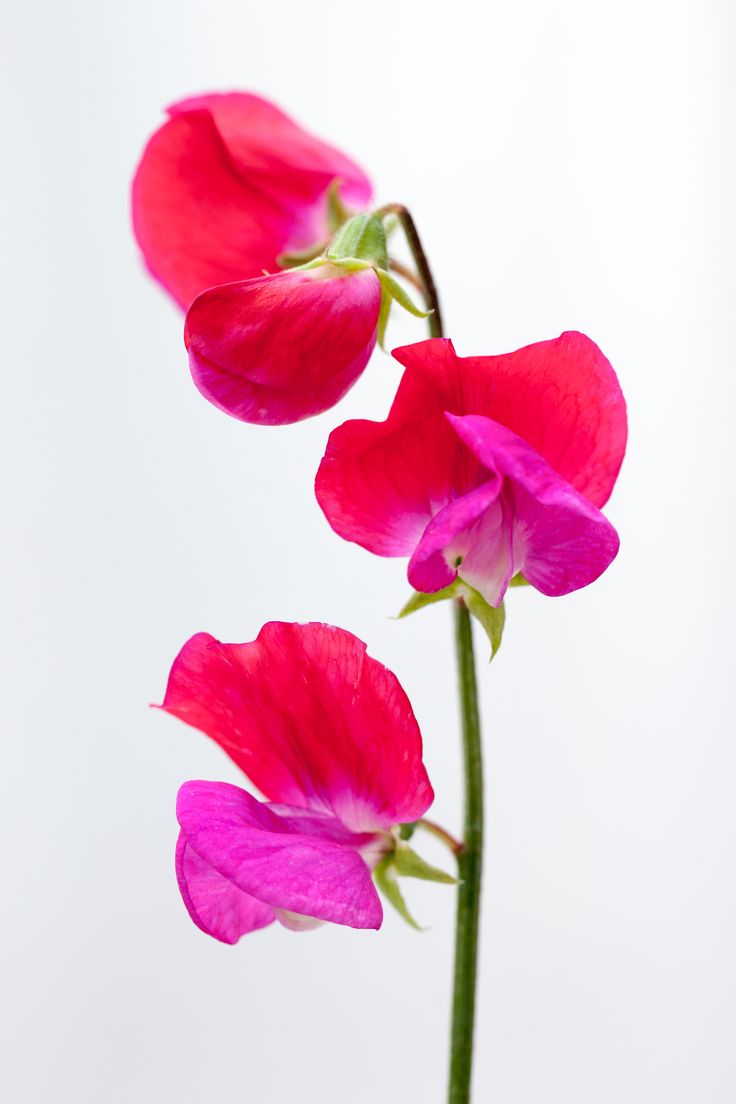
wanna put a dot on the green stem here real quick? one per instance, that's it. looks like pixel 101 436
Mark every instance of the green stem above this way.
pixel 470 855
pixel 470 863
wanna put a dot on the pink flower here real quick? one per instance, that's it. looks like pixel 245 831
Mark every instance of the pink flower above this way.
pixel 328 736
pixel 280 348
pixel 227 185
pixel 485 467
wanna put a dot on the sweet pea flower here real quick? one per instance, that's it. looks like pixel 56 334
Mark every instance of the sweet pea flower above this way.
pixel 486 467
pixel 228 185
pixel 328 736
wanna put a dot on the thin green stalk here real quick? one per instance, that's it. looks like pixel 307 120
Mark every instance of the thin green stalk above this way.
pixel 470 854
pixel 470 863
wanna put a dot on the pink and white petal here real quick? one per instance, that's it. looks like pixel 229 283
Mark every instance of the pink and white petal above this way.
pixel 562 542
pixel 294 921
pixel 380 483
pixel 215 905
pixel 444 542
pixel 274 152
pixel 197 221
pixel 492 554
pixel 280 348
pixel 311 822
pixel 257 852
pixel 311 719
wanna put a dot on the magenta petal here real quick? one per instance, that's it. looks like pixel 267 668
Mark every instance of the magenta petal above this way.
pixel 311 719
pixel 197 222
pixel 434 562
pixel 281 348
pixel 226 185
pixel 271 151
pixel 561 542
pixel 259 853
pixel 380 483
pixel 215 905
pixel 561 396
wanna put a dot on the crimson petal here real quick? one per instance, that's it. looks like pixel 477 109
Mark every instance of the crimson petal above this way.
pixel 312 720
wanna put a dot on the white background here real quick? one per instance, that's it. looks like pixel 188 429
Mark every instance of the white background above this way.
pixel 571 165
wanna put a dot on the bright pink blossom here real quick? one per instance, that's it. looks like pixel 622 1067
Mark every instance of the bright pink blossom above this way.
pixel 279 348
pixel 227 185
pixel 329 738
pixel 485 467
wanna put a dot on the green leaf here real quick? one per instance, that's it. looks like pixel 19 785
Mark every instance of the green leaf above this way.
pixel 492 620
pixel 385 878
pixel 410 865
pixel 419 600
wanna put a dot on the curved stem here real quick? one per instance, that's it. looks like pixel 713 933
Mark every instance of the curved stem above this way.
pixel 441 834
pixel 470 863
pixel 420 258
pixel 470 854
pixel 406 273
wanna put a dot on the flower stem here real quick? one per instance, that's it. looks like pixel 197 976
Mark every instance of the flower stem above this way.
pixel 470 854
pixel 406 273
pixel 441 834
pixel 420 259
pixel 470 862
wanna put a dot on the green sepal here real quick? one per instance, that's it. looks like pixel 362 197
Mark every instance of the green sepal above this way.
pixel 390 224
pixel 393 288
pixel 406 831
pixel 314 262
pixel 384 875
pixel 361 238
pixel 410 865
pixel 419 600
pixel 383 314
pixel 519 580
pixel 491 620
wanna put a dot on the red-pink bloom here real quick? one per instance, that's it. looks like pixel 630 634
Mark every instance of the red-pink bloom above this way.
pixel 485 467
pixel 329 738
pixel 280 348
pixel 227 185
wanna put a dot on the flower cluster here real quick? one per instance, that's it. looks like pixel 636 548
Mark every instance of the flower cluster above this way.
pixel 487 470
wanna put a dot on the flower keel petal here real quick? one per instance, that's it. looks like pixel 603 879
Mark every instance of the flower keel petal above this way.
pixel 257 852
pixel 215 905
